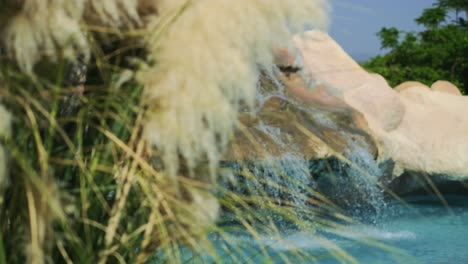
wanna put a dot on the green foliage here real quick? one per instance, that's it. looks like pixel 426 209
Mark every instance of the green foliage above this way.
pixel 440 52
pixel 458 5
pixel 60 153
pixel 389 37
pixel 432 17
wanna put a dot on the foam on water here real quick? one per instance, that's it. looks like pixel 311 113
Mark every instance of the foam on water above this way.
pixel 430 234
pixel 369 232
pixel 421 233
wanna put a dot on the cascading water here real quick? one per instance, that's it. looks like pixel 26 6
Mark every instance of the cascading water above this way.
pixel 313 231
pixel 284 178
pixel 364 175
pixel 318 191
pixel 353 186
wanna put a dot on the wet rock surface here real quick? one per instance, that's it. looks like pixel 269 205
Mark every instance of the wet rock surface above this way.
pixel 311 144
pixel 354 138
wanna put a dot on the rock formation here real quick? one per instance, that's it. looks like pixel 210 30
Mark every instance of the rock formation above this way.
pixel 419 130
pixel 409 84
pixel 326 62
pixel 446 87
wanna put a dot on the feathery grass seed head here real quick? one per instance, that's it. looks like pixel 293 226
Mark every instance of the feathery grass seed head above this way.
pixel 207 65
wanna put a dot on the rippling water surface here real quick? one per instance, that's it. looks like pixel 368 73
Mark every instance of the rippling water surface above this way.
pixel 421 231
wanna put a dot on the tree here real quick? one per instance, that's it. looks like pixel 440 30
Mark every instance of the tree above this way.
pixel 438 52
pixel 389 37
pixel 432 17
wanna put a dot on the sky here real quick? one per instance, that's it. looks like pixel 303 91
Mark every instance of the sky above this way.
pixel 354 23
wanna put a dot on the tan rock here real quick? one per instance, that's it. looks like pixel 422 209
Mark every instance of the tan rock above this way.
pixel 298 89
pixel 380 105
pixel 433 136
pixel 445 87
pixel 284 57
pixel 405 85
pixel 419 129
pixel 326 61
pixel 415 93
pixel 313 127
pixel 422 130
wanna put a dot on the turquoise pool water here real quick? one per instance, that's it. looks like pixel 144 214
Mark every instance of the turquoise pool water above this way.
pixel 421 231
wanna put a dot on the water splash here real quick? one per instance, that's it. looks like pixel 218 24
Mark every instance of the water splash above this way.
pixel 368 177
pixel 287 175
pixel 285 179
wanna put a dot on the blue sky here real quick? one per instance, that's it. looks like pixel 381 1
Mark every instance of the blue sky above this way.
pixel 354 23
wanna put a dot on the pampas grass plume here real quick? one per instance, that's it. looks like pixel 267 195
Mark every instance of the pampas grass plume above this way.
pixel 206 62
pixel 52 28
pixel 202 66
pixel 207 65
pixel 43 27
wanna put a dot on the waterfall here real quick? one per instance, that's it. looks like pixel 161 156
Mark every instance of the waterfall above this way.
pixel 348 179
